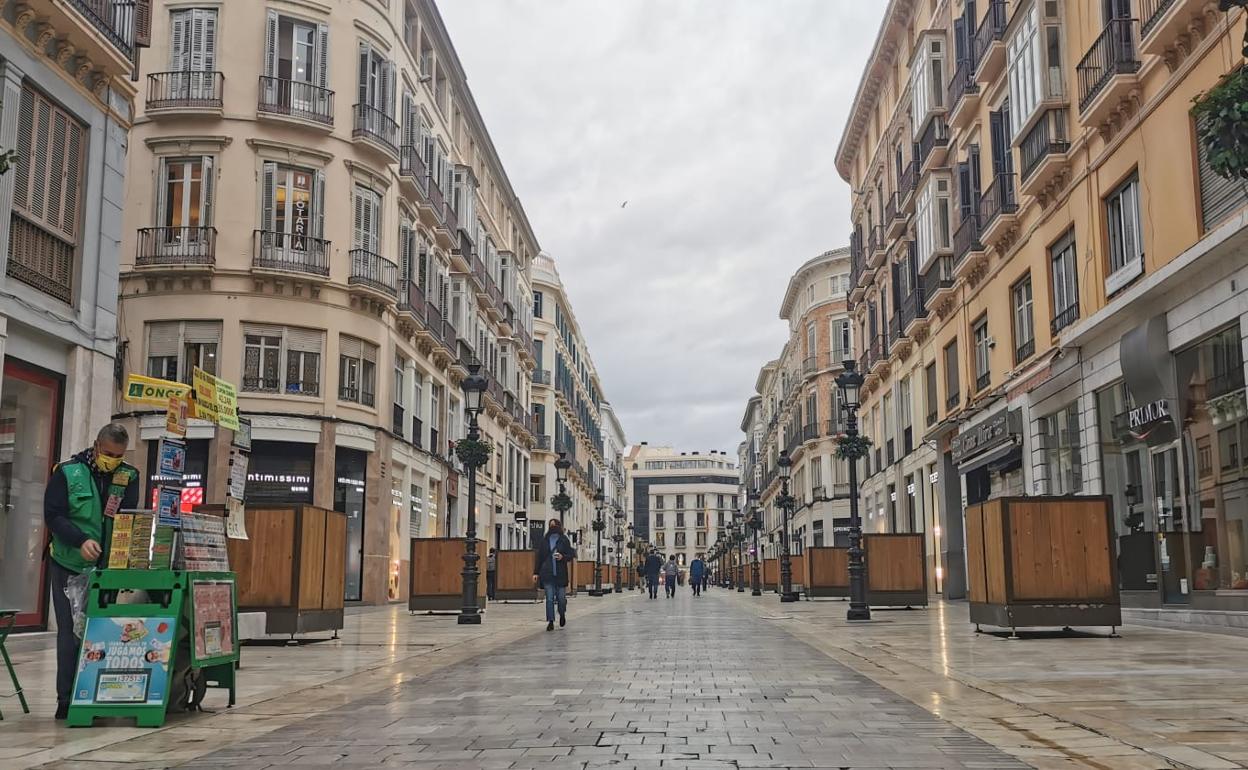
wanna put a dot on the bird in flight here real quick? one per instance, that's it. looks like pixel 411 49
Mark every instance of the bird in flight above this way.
pixel 625 203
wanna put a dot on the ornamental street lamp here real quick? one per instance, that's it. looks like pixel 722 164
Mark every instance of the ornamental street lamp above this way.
pixel 561 502
pixel 473 453
pixel 756 523
pixel 739 537
pixel 853 449
pixel 786 509
pixel 632 555
pixel 599 525
pixel 618 538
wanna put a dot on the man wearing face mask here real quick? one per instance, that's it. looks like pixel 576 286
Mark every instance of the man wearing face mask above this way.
pixel 554 556
pixel 83 495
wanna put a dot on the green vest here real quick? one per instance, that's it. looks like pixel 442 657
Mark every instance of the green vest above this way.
pixel 86 511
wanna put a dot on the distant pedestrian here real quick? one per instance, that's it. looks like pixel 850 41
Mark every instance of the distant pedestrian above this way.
pixel 697 574
pixel 706 578
pixel 671 574
pixel 491 573
pixel 653 566
pixel 550 571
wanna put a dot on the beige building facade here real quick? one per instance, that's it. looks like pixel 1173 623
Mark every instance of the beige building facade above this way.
pixel 1049 274
pixel 682 501
pixel 318 215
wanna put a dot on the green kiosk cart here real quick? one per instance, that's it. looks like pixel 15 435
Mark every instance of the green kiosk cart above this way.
pixel 132 654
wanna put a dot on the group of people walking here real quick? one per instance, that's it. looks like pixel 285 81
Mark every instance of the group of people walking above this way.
pixel 654 566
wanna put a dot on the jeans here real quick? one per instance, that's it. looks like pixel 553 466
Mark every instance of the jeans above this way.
pixel 491 580
pixel 697 586
pixel 653 584
pixel 670 584
pixel 66 642
pixel 555 593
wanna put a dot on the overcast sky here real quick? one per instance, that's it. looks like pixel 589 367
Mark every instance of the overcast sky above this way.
pixel 717 121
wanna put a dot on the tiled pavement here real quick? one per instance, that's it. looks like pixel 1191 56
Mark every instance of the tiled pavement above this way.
pixel 683 683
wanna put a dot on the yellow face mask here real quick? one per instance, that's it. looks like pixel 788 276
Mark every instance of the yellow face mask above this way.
pixel 106 464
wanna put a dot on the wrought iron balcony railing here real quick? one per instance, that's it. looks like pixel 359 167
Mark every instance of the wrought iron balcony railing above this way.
pixel 991 29
pixel 172 246
pixel 1047 137
pixel 1113 53
pixel 185 90
pixel 296 99
pixel 997 199
pixel 289 253
pixel 372 123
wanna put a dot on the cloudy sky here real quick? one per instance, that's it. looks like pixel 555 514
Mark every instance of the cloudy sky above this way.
pixel 717 121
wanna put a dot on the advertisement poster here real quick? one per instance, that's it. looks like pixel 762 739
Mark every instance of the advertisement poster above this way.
pixel 176 416
pixel 169 507
pixel 124 661
pixel 150 390
pixel 235 519
pixel 215 399
pixel 172 463
pixel 212 602
pixel 242 436
pixel 238 475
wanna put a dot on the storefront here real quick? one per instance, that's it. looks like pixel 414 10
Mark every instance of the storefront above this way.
pixel 989 456
pixel 280 472
pixel 349 497
pixel 30 429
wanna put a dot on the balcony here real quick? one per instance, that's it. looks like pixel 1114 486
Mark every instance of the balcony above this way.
pixel 278 252
pixel 413 175
pixel 907 184
pixel 937 283
pixel 810 365
pixel 989 42
pixel 895 219
pixel 1166 25
pixel 40 259
pixel 295 101
pixel 177 249
pixel 876 246
pixel 983 381
pixel 543 442
pixel 1108 72
pixel 1043 153
pixel 374 128
pixel 433 206
pixel 541 377
pixel 933 145
pixel 913 312
pixel 413 309
pixel 448 225
pixel 1064 318
pixel 113 21
pixel 1024 351
pixel 184 92
pixel 355 395
pixel 967 247
pixel 963 94
pixel 998 208
pixel 374 274
pixel 900 342
pixel 954 398
pixel 834 427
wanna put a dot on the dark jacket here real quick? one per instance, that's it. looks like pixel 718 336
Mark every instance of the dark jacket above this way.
pixel 56 502
pixel 696 569
pixel 654 565
pixel 542 565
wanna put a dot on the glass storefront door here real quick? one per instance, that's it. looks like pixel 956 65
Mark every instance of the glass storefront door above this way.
pixel 30 427
pixel 349 468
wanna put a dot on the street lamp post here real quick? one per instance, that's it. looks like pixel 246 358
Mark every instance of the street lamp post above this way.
pixel 739 537
pixel 561 502
pixel 632 555
pixel 850 382
pixel 599 526
pixel 619 539
pixel 756 523
pixel 472 454
pixel 786 509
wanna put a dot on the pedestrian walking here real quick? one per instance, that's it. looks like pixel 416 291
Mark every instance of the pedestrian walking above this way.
pixel 671 573
pixel 82 495
pixel 706 578
pixel 653 566
pixel 550 571
pixel 491 573
pixel 697 574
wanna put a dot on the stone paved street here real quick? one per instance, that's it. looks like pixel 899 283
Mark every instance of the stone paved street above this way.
pixel 664 683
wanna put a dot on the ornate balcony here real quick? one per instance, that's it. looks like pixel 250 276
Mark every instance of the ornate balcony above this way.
pixel 374 274
pixel 40 259
pixel 376 129
pixel 998 208
pixel 1166 27
pixel 989 42
pixel 115 21
pixel 1063 319
pixel 876 246
pixel 1108 73
pixel 413 309
pixel 967 248
pixel 963 94
pixel 933 145
pixel 295 101
pixel 413 175
pixel 900 342
pixel 277 252
pixel 913 311
pixel 908 183
pixel 895 219
pixel 937 283
pixel 184 92
pixel 1043 153
pixel 178 249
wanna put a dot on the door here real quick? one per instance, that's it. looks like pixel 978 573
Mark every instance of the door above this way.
pixel 30 429
pixel 349 497
pixel 193 53
pixel 1171 524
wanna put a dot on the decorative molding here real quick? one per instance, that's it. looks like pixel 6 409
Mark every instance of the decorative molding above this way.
pixel 64 53
pixel 371 175
pixel 187 144
pixel 271 149
pixel 24 15
pixel 44 35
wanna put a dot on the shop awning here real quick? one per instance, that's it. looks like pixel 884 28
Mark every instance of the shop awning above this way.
pixel 991 456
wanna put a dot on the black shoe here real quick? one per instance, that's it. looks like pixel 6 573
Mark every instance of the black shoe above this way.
pixel 62 711
pixel 550 626
pixel 563 620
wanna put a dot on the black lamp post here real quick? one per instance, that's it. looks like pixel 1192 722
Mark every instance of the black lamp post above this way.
pixel 599 525
pixel 632 555
pixel 561 502
pixel 786 510
pixel 474 386
pixel 739 536
pixel 756 523
pixel 618 584
pixel 850 383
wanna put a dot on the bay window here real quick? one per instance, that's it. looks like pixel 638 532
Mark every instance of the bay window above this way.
pixel 1034 58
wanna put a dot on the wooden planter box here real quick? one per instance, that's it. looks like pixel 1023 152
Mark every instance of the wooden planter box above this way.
pixel 515 576
pixel 896 570
pixel 437 581
pixel 583 575
pixel 771 574
pixel 292 568
pixel 1042 561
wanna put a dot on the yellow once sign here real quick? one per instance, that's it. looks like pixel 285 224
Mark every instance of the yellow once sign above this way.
pixel 215 399
pixel 150 390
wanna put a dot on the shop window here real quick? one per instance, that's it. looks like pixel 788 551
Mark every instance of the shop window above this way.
pixel 280 472
pixel 357 371
pixel 175 348
pixel 1063 454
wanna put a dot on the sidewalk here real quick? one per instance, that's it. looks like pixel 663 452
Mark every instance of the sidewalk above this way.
pixel 380 648
pixel 1154 698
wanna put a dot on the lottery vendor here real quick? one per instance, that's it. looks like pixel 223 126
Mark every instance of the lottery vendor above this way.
pixel 83 495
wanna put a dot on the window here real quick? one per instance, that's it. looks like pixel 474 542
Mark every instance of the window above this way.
pixel 47 196
pixel 680 502
pixel 185 199
pixel 537 304
pixel 811 349
pixel 1219 197
pixel 175 347
pixel 842 349
pixel 658 502
pixel 983 350
pixel 192 51
pixel 933 224
pixel 680 539
pixel 929 386
pixel 953 388
pixel 1065 282
pixel 296 68
pixel 293 206
pixel 700 539
pixel 701 518
pixel 1023 53
pixel 1063 452
pixel 263 349
pixel 367 222
pixel 680 519
pixel 927 88
pixel 1228 447
pixel 376 84
pixel 1122 222
pixel 699 502
pixel 1024 330
pixel 660 539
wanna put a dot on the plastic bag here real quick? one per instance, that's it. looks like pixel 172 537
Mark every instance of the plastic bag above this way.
pixel 76 589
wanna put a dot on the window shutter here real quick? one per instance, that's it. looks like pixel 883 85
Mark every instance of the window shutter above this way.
pixel 209 45
pixel 318 203
pixel 423 278
pixel 405 256
pixel 304 340
pixel 368 351
pixel 268 181
pixel 322 56
pixel 261 330
pixel 162 193
pixel 196 38
pixel 406 117
pixel 1219 197
pixel 350 347
pixel 205 191
pixel 47 190
pixel 143 23
pixel 201 332
pixel 177 41
pixel 388 78
pixel 162 339
pixel 363 84
pixel 357 223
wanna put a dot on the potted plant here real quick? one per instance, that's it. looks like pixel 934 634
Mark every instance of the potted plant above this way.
pixel 473 453
pixel 852 447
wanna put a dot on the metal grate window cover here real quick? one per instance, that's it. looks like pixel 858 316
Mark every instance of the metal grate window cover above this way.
pixel 1219 197
pixel 40 260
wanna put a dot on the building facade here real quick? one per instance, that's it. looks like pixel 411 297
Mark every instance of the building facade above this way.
pixel 797 409
pixel 1061 300
pixel 682 501
pixel 568 411
pixel 321 218
pixel 615 489
pixel 68 105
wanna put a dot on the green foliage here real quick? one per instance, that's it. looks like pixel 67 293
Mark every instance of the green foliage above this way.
pixel 852 447
pixel 473 453
pixel 561 502
pixel 7 159
pixel 1222 122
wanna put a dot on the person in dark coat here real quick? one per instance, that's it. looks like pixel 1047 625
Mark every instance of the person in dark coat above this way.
pixel 554 556
pixel 654 565
pixel 697 573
